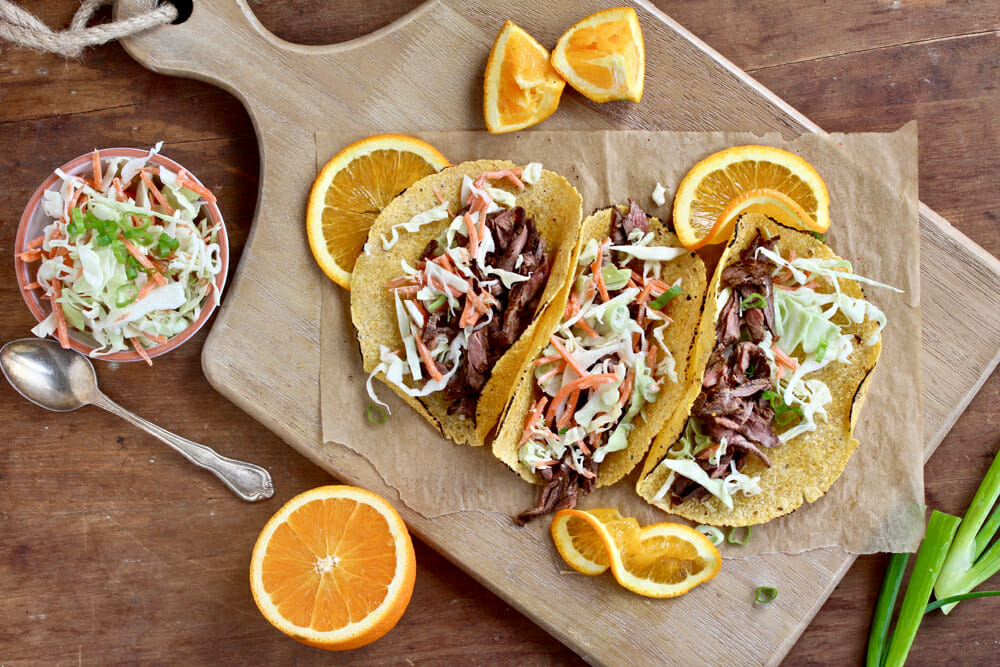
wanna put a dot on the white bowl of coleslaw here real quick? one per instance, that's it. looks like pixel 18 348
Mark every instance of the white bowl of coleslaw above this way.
pixel 121 254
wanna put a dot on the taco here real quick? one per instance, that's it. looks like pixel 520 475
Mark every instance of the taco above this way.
pixel 606 376
pixel 457 274
pixel 786 351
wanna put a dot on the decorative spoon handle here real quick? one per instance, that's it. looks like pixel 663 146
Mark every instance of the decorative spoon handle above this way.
pixel 250 482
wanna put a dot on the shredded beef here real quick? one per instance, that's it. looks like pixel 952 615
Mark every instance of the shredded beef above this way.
pixel 515 236
pixel 731 404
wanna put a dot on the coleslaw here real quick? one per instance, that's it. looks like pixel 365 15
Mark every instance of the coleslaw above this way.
pixel 130 256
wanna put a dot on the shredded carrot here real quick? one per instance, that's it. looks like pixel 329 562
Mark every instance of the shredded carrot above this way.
pixel 429 362
pixel 651 356
pixel 558 368
pixel 96 161
pixel 545 464
pixel 529 423
pixel 62 333
pixel 626 388
pixel 473 235
pixel 185 180
pixel 595 268
pixel 586 473
pixel 399 282
pixel 512 175
pixel 469 313
pixel 585 382
pixel 117 185
pixel 707 452
pixel 783 359
pixel 155 337
pixel 567 356
pixel 142 259
pixel 637 277
pixel 31 286
pixel 583 447
pixel 572 306
pixel 659 285
pixel 155 191
pixel 35 242
pixel 569 410
pixel 541 361
pixel 141 350
pixel 32 255
pixel 591 290
pixel 587 329
pixel 144 290
pixel 644 294
pixel 407 290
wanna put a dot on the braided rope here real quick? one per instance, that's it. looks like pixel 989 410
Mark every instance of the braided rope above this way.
pixel 23 28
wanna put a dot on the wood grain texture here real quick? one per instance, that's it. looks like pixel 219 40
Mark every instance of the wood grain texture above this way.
pixel 184 588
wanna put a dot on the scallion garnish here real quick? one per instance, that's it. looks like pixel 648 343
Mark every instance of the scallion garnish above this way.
pixel 126 294
pixel 820 237
pixel 376 414
pixel 755 300
pixel 118 248
pixel 438 302
pixel 765 594
pixel 783 414
pixel 666 297
pixel 166 245
pixel 734 537
pixel 713 533
pixel 821 350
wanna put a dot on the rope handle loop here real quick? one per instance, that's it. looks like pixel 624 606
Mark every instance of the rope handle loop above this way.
pixel 21 27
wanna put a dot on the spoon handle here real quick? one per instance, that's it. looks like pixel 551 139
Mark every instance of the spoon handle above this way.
pixel 250 482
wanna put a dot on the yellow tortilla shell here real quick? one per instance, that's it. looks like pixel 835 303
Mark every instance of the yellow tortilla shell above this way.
pixel 685 311
pixel 555 206
pixel 804 468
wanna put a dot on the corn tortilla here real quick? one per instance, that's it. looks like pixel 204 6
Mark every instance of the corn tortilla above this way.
pixel 804 468
pixel 555 206
pixel 685 311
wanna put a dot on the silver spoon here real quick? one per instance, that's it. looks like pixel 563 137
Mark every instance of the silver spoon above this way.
pixel 62 380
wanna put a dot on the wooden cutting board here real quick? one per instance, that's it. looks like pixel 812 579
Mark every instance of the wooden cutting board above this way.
pixel 423 73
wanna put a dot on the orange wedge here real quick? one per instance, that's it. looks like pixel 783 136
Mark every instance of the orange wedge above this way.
pixel 334 568
pixel 520 87
pixel 745 179
pixel 662 560
pixel 353 188
pixel 603 56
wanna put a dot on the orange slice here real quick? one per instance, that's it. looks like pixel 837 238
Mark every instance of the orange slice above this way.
pixel 334 568
pixel 353 188
pixel 662 560
pixel 603 56
pixel 744 179
pixel 520 87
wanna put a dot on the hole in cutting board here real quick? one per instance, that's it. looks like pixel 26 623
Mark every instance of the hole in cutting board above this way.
pixel 184 9
pixel 322 23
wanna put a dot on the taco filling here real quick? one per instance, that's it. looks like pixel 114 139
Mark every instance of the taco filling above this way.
pixel 779 321
pixel 472 293
pixel 603 364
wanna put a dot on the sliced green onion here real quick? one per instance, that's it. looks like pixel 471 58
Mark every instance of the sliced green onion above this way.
pixel 666 297
pixel 783 414
pixel 438 302
pixel 615 278
pixel 118 248
pixel 883 609
pixel 821 237
pixel 755 300
pixel 166 245
pixel 821 350
pixel 930 557
pixel 734 538
pixel 713 533
pixel 617 318
pixel 765 594
pixel 104 239
pixel 126 294
pixel 376 414
pixel 142 237
pixel 563 430
pixel 130 271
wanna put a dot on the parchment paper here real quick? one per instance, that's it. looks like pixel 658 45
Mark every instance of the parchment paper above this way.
pixel 876 505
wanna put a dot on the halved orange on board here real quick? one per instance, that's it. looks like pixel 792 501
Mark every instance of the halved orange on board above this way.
pixel 661 560
pixel 603 56
pixel 353 188
pixel 745 179
pixel 520 88
pixel 334 568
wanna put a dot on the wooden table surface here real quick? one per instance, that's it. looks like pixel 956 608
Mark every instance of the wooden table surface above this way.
pixel 113 549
